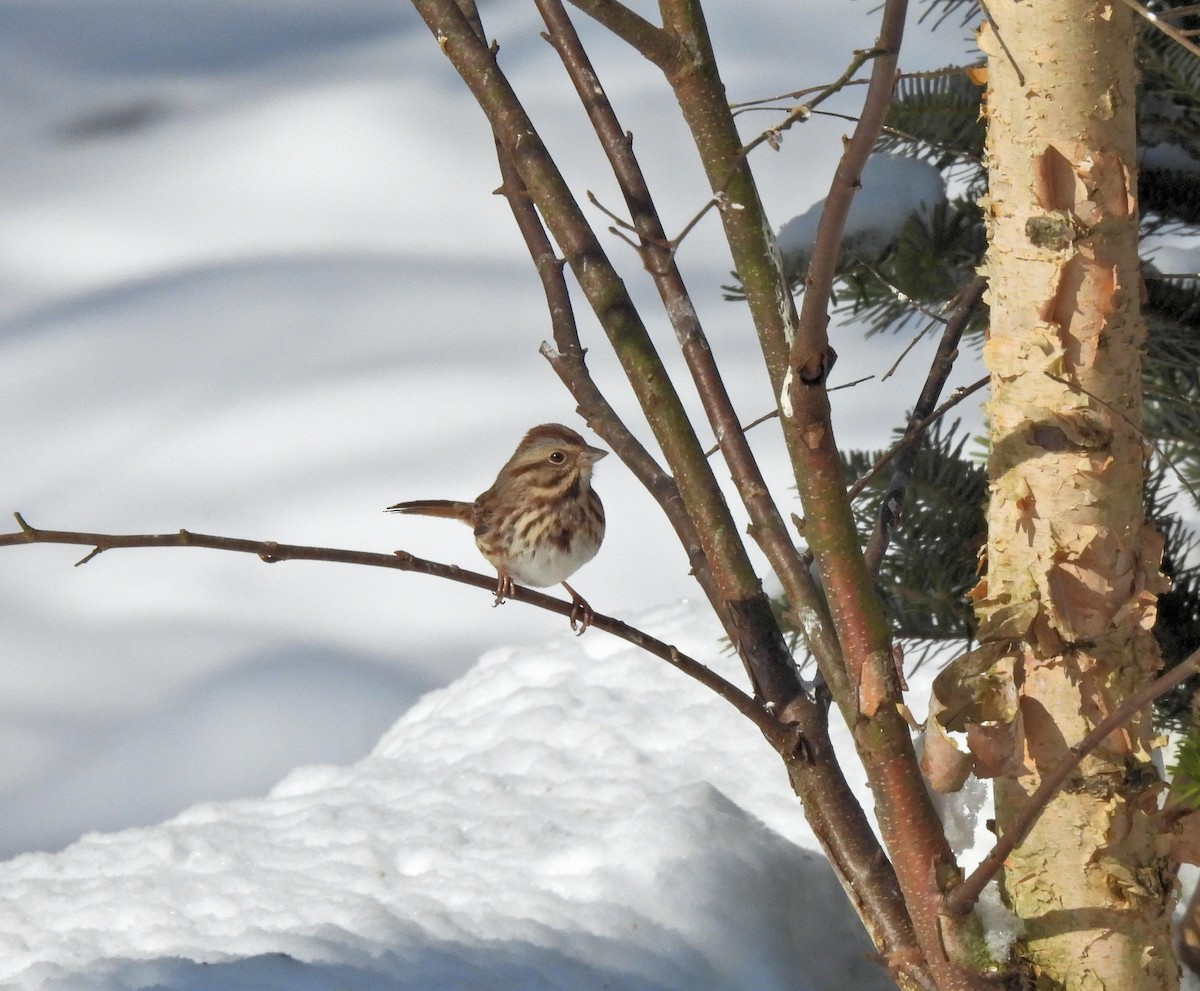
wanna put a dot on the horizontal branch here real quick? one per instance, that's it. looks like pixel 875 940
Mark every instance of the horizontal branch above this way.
pixel 782 737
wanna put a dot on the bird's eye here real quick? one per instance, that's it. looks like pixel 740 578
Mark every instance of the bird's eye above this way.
pixel 557 458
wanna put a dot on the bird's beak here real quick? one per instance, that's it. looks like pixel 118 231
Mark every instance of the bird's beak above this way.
pixel 591 455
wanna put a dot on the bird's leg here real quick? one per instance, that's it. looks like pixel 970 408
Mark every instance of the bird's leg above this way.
pixel 581 612
pixel 504 587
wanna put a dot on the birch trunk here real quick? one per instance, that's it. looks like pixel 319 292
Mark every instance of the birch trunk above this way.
pixel 1072 568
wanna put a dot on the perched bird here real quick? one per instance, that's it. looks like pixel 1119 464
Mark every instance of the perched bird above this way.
pixel 541 520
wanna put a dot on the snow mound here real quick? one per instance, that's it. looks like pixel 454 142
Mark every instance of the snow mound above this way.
pixel 893 189
pixel 571 817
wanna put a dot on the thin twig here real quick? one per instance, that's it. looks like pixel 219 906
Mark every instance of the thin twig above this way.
pixel 900 295
pixel 272 552
pixel 892 504
pixel 906 351
pixel 1130 422
pixel 1158 20
pixel 712 204
pixel 799 113
pixel 913 433
pixel 960 899
pixel 774 414
pixel 1178 13
pixel 610 214
pixel 800 93
pixel 765 102
pixel 805 110
pixel 1000 38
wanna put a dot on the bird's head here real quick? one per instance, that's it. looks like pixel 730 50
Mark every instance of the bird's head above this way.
pixel 552 456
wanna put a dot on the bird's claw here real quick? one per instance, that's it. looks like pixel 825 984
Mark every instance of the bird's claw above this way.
pixel 581 615
pixel 504 588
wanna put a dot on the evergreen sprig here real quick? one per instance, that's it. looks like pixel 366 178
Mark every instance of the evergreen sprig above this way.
pixel 935 255
pixel 932 560
pixel 935 117
pixel 1185 772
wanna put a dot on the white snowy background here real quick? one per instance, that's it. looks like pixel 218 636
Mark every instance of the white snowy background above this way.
pixel 253 282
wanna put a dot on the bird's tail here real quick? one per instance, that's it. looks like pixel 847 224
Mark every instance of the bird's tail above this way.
pixel 446 508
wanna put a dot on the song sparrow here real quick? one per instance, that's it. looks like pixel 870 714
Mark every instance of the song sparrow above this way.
pixel 541 520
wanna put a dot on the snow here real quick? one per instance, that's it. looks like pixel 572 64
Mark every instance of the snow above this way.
pixel 253 282
pixel 893 189
pixel 576 815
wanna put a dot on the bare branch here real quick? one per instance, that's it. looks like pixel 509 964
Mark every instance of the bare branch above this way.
pixel 829 524
pixel 612 215
pixel 774 414
pixel 912 831
pixel 606 292
pixel 907 350
pixel 769 528
pixel 272 552
pixel 567 357
pixel 892 504
pixel 914 433
pixel 1161 22
pixel 771 136
pixel 799 93
pixel 804 111
pixel 963 897
pixel 678 239
pixel 649 39
pixel 851 845
pixel 809 348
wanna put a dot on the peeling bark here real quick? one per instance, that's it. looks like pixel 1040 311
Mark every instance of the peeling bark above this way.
pixel 1073 568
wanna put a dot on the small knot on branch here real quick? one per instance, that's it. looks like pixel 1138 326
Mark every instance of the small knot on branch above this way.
pixel 815 370
pixel 795 746
pixel 798 750
pixel 267 554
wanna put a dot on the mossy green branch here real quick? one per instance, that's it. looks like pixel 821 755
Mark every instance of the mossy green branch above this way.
pixel 475 61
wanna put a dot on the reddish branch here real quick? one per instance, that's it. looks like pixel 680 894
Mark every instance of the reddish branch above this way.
pixel 852 846
pixel 911 828
pixel 912 832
